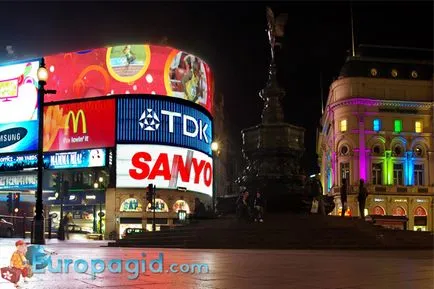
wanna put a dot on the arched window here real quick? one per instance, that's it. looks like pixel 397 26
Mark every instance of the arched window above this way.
pixel 160 206
pixel 399 211
pixel 181 205
pixel 131 205
pixel 378 210
pixel 420 211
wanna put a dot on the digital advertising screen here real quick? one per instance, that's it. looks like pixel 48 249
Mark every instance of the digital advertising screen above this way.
pixel 130 69
pixel 79 125
pixel 18 161
pixel 18 182
pixel 19 107
pixel 163 121
pixel 164 166
pixel 77 159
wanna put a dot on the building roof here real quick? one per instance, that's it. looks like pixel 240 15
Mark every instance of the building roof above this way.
pixel 389 62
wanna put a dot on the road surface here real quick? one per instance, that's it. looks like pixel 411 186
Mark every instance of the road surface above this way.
pixel 234 269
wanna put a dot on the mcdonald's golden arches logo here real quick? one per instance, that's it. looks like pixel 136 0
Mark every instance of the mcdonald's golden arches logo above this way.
pixel 75 119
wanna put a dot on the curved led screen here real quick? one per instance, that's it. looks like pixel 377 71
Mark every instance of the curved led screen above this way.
pixel 130 69
pixel 19 107
pixel 159 120
pixel 137 166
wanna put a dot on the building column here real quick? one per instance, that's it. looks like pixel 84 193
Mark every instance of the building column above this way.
pixel 362 149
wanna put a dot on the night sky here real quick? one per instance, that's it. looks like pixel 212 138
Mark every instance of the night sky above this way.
pixel 231 38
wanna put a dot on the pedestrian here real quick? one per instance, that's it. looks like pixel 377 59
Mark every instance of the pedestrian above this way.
pixel 363 194
pixel 67 220
pixel 243 211
pixel 317 194
pixel 258 204
pixel 344 194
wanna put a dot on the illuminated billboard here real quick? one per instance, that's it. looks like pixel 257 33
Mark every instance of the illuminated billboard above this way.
pixel 156 120
pixel 164 166
pixel 19 107
pixel 77 159
pixel 79 125
pixel 18 182
pixel 130 69
pixel 19 161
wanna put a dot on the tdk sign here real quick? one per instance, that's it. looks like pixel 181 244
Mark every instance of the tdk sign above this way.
pixel 163 121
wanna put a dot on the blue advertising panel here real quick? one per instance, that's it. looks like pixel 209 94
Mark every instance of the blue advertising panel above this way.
pixel 18 182
pixel 163 120
pixel 76 159
pixel 19 161
pixel 19 107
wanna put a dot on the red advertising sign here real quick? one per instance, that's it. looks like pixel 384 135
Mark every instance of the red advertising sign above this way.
pixel 79 125
pixel 130 69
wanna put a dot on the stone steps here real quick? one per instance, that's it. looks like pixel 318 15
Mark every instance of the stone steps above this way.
pixel 282 231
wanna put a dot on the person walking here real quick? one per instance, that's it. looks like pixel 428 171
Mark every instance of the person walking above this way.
pixel 344 194
pixel 363 194
pixel 259 207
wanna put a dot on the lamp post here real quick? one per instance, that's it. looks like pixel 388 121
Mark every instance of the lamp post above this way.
pixel 215 150
pixel 38 236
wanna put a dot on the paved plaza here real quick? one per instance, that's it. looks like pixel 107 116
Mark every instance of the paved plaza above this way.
pixel 237 269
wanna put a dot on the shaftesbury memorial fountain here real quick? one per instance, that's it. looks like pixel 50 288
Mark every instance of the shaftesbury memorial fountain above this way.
pixel 273 149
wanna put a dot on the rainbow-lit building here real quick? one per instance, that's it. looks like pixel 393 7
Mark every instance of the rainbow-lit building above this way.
pixel 378 126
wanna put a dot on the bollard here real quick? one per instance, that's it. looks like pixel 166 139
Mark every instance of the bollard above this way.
pixel 24 226
pixel 31 230
pixel 49 227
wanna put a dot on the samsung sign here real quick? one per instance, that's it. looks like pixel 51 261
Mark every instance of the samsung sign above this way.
pixel 163 121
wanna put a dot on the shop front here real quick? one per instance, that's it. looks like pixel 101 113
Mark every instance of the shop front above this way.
pixel 86 209
pixel 131 210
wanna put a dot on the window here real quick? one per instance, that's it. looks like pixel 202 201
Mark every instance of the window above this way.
pixel 398 125
pixel 376 149
pixel 418 151
pixel 344 150
pixel 345 172
pixel 397 174
pixel 377 172
pixel 418 126
pixel 377 125
pixel 343 125
pixel 418 175
pixel 398 150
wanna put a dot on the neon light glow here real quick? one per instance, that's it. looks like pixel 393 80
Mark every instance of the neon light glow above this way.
pixel 388 168
pixel 398 125
pixel 408 174
pixel 418 126
pixel 377 124
pixel 343 125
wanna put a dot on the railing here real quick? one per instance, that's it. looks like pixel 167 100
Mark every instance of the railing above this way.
pixel 23 226
pixel 372 189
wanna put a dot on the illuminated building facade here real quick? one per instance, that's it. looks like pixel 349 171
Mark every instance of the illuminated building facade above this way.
pixel 378 126
pixel 123 117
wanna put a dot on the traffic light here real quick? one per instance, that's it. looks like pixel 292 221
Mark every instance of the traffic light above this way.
pixel 65 189
pixel 10 203
pixel 16 202
pixel 57 183
pixel 150 193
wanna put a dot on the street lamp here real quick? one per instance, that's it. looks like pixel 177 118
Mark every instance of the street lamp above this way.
pixel 38 223
pixel 215 149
